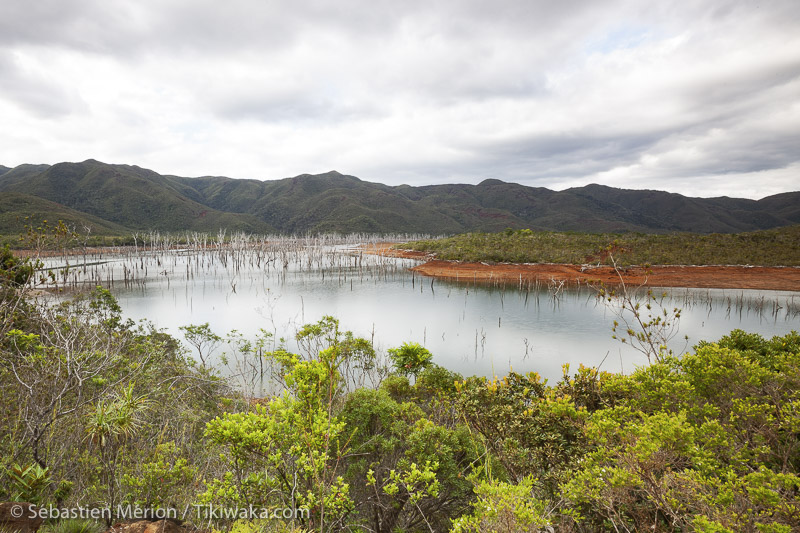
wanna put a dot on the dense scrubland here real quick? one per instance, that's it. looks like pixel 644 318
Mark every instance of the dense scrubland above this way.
pixel 776 247
pixel 96 411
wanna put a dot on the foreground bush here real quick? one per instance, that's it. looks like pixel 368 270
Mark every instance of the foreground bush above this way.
pixel 96 411
pixel 705 442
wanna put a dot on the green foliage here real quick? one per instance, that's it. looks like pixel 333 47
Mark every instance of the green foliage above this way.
pixel 117 418
pixel 44 236
pixel 644 323
pixel 13 270
pixel 293 444
pixel 73 525
pixel 704 442
pixel 263 526
pixel 84 396
pixel 417 483
pixel 105 308
pixel 202 339
pixel 707 441
pixel 416 469
pixel 775 247
pixel 436 393
pixel 28 483
pixel 530 428
pixel 100 411
pixel 352 358
pixel 410 358
pixel 505 507
pixel 156 482
pixel 587 388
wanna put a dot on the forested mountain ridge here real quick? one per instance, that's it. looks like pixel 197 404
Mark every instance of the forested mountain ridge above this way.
pixel 125 197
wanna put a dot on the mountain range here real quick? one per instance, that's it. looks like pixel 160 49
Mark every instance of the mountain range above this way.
pixel 117 199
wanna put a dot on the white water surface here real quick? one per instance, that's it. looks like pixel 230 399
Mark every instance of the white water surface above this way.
pixel 471 329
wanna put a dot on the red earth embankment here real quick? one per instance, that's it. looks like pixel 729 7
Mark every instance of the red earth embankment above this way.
pixel 719 277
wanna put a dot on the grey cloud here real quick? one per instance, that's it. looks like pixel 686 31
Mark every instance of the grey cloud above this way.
pixel 85 25
pixel 724 92
pixel 542 158
pixel 44 97
pixel 535 160
pixel 291 108
pixel 742 152
pixel 205 26
pixel 178 26
pixel 568 154
pixel 438 69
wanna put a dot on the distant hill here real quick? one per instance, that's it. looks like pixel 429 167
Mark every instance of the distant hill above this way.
pixel 125 196
pixel 116 198
pixel 18 210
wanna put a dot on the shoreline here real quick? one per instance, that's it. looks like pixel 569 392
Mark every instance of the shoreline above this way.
pixel 672 276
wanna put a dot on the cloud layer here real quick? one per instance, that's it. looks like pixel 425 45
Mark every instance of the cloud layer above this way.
pixel 701 98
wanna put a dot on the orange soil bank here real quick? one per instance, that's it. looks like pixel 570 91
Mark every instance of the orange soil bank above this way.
pixel 719 277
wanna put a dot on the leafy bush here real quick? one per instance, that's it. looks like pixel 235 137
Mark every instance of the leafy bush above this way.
pixel 706 439
pixel 14 270
pixel 502 506
pixel 410 358
pixel 28 483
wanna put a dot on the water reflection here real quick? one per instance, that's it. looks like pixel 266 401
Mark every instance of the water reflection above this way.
pixel 474 330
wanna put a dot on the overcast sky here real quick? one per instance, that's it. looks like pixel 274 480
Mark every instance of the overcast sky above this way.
pixel 696 97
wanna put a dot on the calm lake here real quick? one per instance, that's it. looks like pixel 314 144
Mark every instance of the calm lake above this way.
pixel 474 330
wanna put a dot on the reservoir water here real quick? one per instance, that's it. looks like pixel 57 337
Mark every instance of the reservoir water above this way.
pixel 471 329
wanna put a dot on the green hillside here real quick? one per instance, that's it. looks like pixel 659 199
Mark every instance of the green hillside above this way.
pixel 725 215
pixel 20 210
pixel 336 202
pixel 128 197
pixel 134 198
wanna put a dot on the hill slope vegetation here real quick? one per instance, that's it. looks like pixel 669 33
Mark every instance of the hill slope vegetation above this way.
pixel 133 198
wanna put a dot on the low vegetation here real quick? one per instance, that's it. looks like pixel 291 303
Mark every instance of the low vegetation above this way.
pixel 776 247
pixel 96 411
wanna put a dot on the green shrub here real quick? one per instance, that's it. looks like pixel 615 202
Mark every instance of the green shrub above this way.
pixel 73 525
pixel 410 358
pixel 27 483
